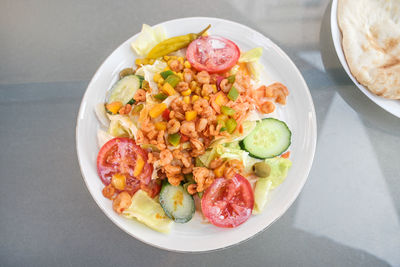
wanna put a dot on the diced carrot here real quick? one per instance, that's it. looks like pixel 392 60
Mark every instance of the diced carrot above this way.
pixel 285 155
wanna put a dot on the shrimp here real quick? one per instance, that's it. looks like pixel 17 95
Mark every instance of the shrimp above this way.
pixel 140 95
pixel 152 134
pixel 203 77
pixel 166 157
pixel 207 89
pixel 182 86
pixel 267 107
pixel 176 65
pixel 192 189
pixel 125 110
pixel 173 126
pixel 140 138
pixel 122 202
pixel 200 105
pixel 188 75
pixel 216 163
pixel 279 92
pixel 187 170
pixel 160 140
pixel 175 180
pixel 203 177
pixel 201 124
pixel 197 147
pixel 188 128
pixel 109 191
pixel 225 85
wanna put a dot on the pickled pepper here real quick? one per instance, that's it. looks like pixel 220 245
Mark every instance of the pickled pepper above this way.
pixel 173 44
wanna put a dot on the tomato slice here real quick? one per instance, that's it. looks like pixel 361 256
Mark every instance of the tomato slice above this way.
pixel 212 53
pixel 119 156
pixel 228 202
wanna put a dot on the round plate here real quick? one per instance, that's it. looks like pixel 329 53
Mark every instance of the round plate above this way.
pixel 299 114
pixel 392 106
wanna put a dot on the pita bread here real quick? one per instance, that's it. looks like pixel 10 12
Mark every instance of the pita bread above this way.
pixel 371 43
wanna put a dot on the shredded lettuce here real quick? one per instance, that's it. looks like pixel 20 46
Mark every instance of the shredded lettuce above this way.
pixel 147 39
pixel 103 137
pixel 251 55
pixel 122 126
pixel 148 71
pixel 101 114
pixel 279 169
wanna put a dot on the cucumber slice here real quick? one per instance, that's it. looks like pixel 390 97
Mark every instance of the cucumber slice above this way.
pixel 177 203
pixel 270 138
pixel 124 90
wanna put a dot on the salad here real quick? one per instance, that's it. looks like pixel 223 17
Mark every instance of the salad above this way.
pixel 191 128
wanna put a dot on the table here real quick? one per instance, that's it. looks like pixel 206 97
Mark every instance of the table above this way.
pixel 347 214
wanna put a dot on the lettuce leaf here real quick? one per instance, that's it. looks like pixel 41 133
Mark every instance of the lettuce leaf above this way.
pixel 122 126
pixel 148 71
pixel 147 39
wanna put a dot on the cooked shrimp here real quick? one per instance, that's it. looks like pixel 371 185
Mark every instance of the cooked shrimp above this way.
pixel 175 180
pixel 267 107
pixel 203 77
pixel 206 89
pixel 122 201
pixel 109 191
pixel 188 128
pixel 188 75
pixel 176 65
pixel 140 95
pixel 225 85
pixel 201 124
pixel 216 163
pixel 182 86
pixel 192 189
pixel 173 126
pixel 166 157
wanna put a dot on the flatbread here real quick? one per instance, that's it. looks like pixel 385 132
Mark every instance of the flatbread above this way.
pixel 371 43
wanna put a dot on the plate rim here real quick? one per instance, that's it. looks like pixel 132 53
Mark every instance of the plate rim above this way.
pixel 313 142
pixel 337 42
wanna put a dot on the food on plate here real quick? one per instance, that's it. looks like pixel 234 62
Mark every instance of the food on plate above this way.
pixel 191 125
pixel 371 43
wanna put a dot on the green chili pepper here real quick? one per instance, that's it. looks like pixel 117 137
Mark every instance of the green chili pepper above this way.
pixel 174 139
pixel 233 94
pixel 173 80
pixel 228 111
pixel 231 79
pixel 231 125
pixel 173 44
pixel 166 73
pixel 160 96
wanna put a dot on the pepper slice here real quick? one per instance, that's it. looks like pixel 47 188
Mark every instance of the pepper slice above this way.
pixel 174 139
pixel 173 80
pixel 166 73
pixel 233 93
pixel 160 96
pixel 228 111
pixel 173 44
pixel 230 125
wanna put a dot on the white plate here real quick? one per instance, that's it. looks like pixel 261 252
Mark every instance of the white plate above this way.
pixel 392 106
pixel 299 114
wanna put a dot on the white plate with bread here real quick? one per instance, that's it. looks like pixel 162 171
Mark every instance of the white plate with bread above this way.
pixel 366 35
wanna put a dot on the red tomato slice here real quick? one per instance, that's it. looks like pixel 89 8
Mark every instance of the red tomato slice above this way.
pixel 213 54
pixel 119 156
pixel 228 202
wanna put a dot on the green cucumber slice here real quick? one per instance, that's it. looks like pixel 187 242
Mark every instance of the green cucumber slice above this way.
pixel 124 90
pixel 177 203
pixel 270 138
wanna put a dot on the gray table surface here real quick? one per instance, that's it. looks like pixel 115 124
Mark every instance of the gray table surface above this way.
pixel 347 214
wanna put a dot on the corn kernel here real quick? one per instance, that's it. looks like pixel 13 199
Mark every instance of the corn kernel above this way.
pixel 187 64
pixel 169 62
pixel 173 57
pixel 157 77
pixel 214 88
pixel 138 61
pixel 157 109
pixel 186 99
pixel 181 60
pixel 221 99
pixel 206 97
pixel 180 75
pixel 222 117
pixel 161 125
pixel 190 115
pixel 186 92
pixel 194 98
pixel 166 58
pixel 167 68
pixel 167 88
